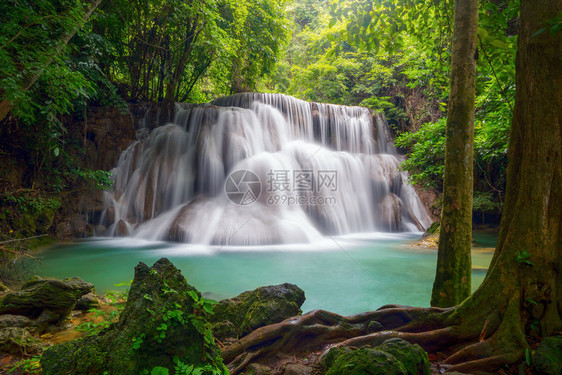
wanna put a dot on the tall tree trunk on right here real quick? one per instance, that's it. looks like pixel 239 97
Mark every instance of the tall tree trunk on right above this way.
pixel 453 278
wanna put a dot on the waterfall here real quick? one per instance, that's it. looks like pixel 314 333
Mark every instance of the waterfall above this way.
pixel 254 169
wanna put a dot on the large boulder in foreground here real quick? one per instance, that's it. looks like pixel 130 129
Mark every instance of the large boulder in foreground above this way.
pixel 393 357
pixel 240 315
pixel 163 326
pixel 45 301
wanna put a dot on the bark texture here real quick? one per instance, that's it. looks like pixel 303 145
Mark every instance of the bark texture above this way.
pixel 453 275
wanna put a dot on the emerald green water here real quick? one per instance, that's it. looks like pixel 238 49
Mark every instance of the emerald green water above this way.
pixel 345 275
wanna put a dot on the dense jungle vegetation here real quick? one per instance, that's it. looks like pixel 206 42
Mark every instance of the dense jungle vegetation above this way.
pixel 58 58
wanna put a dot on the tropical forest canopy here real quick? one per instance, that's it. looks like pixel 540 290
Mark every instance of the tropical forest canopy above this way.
pixel 59 57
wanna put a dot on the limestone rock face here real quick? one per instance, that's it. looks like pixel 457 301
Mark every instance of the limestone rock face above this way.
pixel 240 315
pixel 161 326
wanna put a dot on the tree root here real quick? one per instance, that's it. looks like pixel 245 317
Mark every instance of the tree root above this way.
pixel 434 329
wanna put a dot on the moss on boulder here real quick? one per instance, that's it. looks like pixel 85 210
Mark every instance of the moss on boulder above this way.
pixel 162 325
pixel 394 356
pixel 547 359
pixel 47 301
pixel 412 356
pixel 240 315
pixel 18 341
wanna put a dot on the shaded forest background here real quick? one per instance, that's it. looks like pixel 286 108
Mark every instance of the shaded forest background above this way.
pixel 62 60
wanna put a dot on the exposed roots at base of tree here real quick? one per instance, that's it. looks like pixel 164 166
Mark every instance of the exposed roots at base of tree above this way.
pixel 476 343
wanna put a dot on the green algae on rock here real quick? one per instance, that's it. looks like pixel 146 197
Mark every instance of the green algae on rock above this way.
pixel 240 315
pixel 162 326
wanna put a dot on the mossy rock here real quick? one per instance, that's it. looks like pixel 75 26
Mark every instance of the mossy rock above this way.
pixel 393 356
pixel 412 356
pixel 433 229
pixel 238 316
pixel 547 359
pixel 363 361
pixel 159 322
pixel 52 299
pixel 18 341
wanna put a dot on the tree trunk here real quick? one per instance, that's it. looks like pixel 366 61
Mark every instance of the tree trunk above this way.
pixel 452 279
pixel 528 257
pixel 5 105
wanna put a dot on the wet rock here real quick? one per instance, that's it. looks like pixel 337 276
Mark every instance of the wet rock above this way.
pixel 256 369
pixel 18 341
pixel 394 356
pixel 547 359
pixel 122 229
pixel 9 320
pixel 163 319
pixel 87 302
pixel 250 310
pixel 297 369
pixel 48 301
pixel 390 209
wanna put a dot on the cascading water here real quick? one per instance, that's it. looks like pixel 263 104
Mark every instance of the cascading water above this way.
pixel 253 169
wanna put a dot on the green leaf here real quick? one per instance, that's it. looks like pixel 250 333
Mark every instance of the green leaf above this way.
pixel 158 370
pixel 483 33
pixel 528 356
pixel 193 295
pixel 499 44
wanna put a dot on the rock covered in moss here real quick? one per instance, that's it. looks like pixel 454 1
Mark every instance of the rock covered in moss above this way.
pixel 364 361
pixel 240 315
pixel 47 301
pixel 412 356
pixel 18 341
pixel 161 326
pixel 547 359
pixel 393 356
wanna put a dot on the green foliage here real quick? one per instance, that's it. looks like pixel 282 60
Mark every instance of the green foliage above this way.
pixel 426 156
pixel 27 366
pixel 522 257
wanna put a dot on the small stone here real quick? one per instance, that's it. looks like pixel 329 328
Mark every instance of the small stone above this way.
pixel 256 369
pixel 297 369
pixel 87 302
